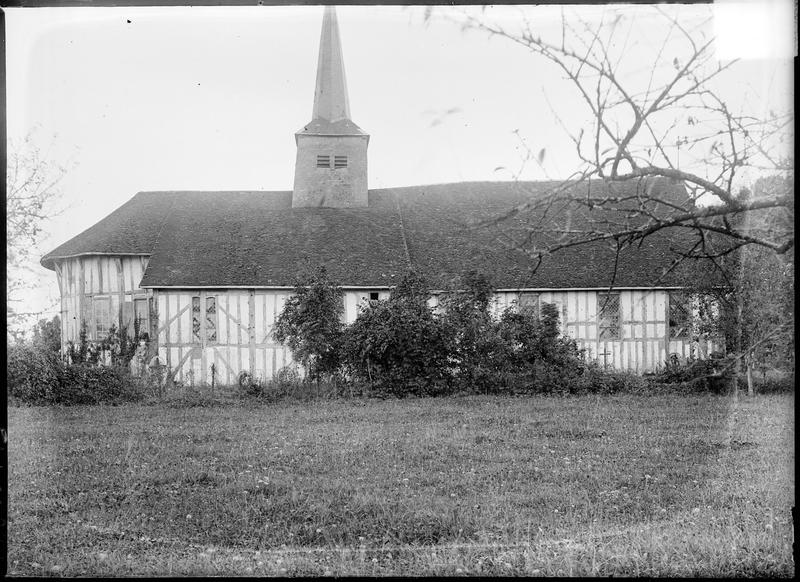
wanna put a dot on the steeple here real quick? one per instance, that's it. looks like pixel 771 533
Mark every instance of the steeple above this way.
pixel 331 166
pixel 330 96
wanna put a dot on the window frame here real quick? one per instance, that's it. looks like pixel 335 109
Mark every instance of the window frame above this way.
pixel 201 317
pixel 213 321
pixel 144 322
pixel 97 333
pixel 609 325
pixel 523 301
pixel 685 301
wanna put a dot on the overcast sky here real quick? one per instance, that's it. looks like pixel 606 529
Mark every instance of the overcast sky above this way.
pixel 209 98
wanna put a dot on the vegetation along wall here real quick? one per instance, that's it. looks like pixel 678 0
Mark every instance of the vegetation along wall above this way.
pixel 102 291
pixel 231 329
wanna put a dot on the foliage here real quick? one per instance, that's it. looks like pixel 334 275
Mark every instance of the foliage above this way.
pixel 37 377
pixel 310 324
pixel 535 337
pixel 47 335
pixel 477 353
pixel 754 310
pixel 33 376
pixel 775 385
pixel 31 199
pixel 37 373
pixel 85 352
pixel 713 374
pixel 120 345
pixel 88 384
pixel 522 351
pixel 671 121
pixel 116 349
pixel 399 346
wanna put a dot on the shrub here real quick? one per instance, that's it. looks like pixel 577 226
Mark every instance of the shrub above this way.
pixel 287 383
pixel 596 380
pixel 478 355
pixel 310 324
pixel 32 376
pixel 775 385
pixel 47 335
pixel 117 348
pixel 36 374
pixel 88 384
pixel 398 346
pixel 698 374
pixel 38 378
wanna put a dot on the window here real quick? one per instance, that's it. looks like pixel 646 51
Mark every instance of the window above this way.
pixel 680 315
pixel 529 301
pixel 608 315
pixel 210 319
pixel 102 317
pixel 323 161
pixel 373 298
pixel 339 162
pixel 141 314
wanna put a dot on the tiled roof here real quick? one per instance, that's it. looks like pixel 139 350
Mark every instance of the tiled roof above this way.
pixel 258 239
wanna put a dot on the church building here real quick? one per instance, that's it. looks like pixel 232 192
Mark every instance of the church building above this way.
pixel 207 273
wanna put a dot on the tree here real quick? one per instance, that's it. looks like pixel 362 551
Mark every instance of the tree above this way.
pixel 311 325
pixel 667 123
pixel 666 120
pixel 475 345
pixel 47 335
pixel 756 314
pixel 32 195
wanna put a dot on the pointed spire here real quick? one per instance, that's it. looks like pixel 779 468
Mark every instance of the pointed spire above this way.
pixel 330 96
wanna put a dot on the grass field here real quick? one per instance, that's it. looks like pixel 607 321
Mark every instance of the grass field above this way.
pixel 623 485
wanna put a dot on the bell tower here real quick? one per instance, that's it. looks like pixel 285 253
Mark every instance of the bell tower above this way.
pixel 331 165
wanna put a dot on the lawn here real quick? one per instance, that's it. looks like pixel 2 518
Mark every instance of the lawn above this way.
pixel 625 485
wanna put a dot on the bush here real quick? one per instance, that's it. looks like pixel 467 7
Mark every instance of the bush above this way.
pixel 310 324
pixel 47 335
pixel 478 355
pixel 774 385
pixel 287 383
pixel 42 378
pixel 399 346
pixel 88 384
pixel 118 348
pixel 712 374
pixel 32 376
pixel 596 380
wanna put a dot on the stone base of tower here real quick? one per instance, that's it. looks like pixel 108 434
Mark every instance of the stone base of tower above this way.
pixel 331 171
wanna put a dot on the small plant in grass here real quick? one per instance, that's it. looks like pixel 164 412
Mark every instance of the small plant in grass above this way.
pixel 698 374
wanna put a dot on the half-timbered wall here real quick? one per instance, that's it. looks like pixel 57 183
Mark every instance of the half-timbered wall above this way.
pixel 243 321
pixel 231 329
pixel 642 340
pixel 101 290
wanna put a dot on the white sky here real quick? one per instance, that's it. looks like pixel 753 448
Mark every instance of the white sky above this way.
pixel 209 98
